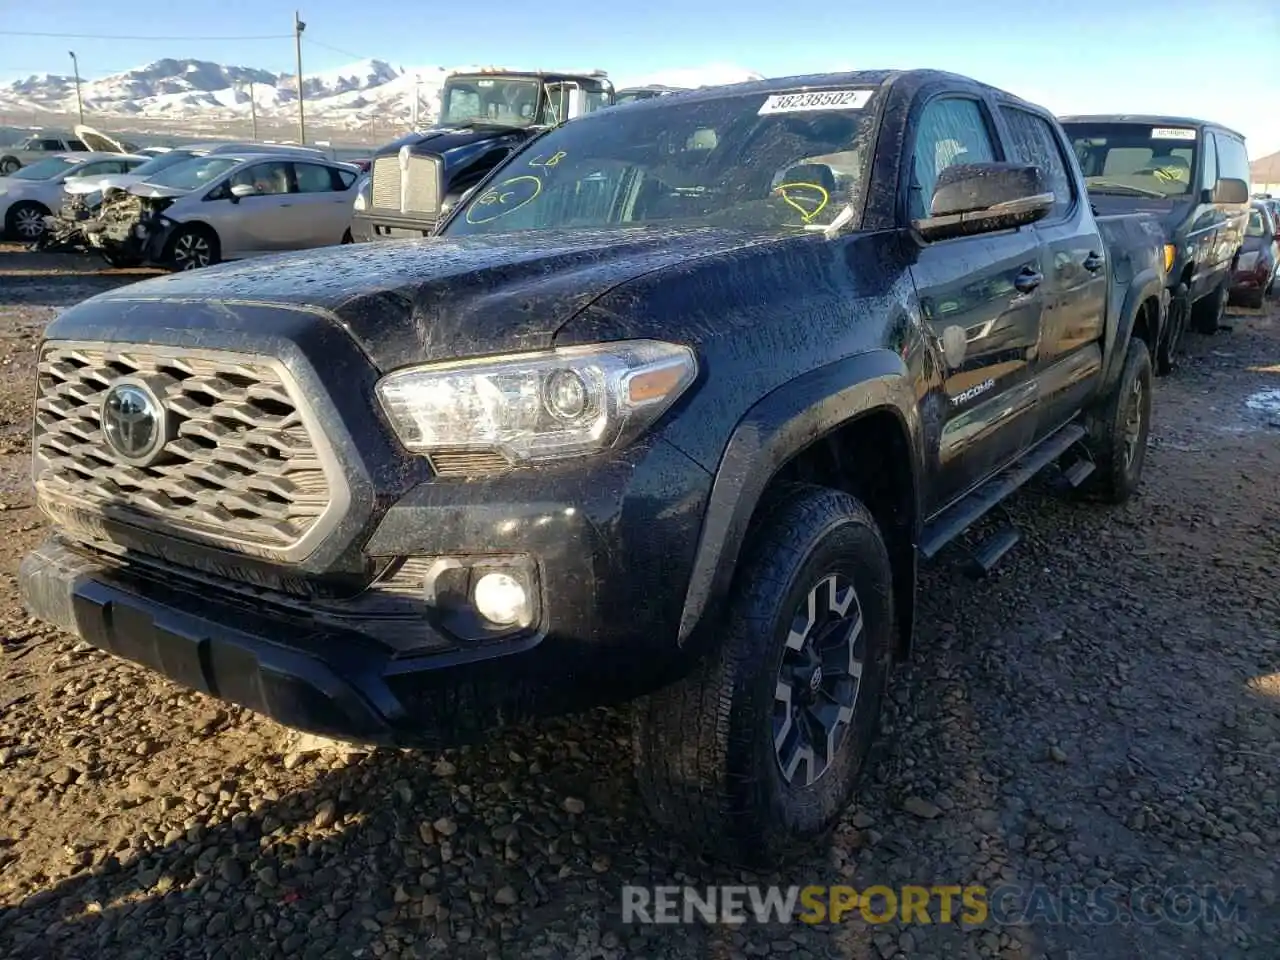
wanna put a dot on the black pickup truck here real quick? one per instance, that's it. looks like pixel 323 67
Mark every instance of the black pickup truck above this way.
pixel 672 409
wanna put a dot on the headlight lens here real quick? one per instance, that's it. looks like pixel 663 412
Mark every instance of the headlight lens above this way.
pixel 538 406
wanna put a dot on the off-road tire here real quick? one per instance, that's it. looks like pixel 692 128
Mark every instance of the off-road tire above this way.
pixel 19 212
pixel 1167 348
pixel 705 755
pixel 1207 312
pixel 173 252
pixel 1119 454
pixel 9 166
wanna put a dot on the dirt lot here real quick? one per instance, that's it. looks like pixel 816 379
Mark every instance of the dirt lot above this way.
pixel 1104 711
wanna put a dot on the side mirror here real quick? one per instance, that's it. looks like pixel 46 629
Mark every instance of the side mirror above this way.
pixel 974 198
pixel 242 190
pixel 1230 190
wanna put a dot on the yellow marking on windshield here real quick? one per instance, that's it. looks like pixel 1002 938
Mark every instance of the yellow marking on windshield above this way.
pixel 823 199
pixel 550 161
pixel 498 200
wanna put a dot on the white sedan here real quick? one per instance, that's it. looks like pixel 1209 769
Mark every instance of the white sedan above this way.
pixel 36 190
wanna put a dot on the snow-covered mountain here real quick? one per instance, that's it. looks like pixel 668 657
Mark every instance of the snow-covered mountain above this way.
pixel 348 96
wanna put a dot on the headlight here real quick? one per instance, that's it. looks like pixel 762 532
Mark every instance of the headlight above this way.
pixel 538 406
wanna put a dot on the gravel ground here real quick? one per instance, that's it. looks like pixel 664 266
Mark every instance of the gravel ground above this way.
pixel 1103 710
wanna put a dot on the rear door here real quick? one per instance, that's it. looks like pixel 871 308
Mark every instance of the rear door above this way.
pixel 322 205
pixel 1074 293
pixel 981 301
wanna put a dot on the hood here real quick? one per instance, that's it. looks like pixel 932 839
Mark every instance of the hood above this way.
pixel 444 139
pixel 155 191
pixel 98 141
pixel 120 181
pixel 1170 212
pixel 443 298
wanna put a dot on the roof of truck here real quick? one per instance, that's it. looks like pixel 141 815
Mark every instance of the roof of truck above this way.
pixel 551 75
pixel 1151 119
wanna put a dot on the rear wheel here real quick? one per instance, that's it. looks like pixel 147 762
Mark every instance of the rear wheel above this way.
pixel 1119 427
pixel 1207 313
pixel 757 751
pixel 192 247
pixel 25 220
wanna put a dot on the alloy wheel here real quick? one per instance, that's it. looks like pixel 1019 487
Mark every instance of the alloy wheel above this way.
pixel 818 680
pixel 191 251
pixel 29 223
pixel 1133 423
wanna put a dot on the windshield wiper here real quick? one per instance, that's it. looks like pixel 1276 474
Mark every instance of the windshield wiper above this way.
pixel 1110 186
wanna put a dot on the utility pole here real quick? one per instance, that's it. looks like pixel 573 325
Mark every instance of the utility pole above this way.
pixel 298 27
pixel 253 111
pixel 417 99
pixel 79 102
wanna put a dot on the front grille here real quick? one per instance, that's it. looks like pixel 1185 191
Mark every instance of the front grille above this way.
pixel 386 183
pixel 422 192
pixel 241 467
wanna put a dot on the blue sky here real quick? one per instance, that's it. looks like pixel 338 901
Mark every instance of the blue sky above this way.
pixel 1216 58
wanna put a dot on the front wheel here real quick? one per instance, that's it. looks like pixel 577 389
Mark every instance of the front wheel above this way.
pixel 1167 348
pixel 119 260
pixel 193 247
pixel 1207 313
pixel 757 751
pixel 9 165
pixel 1119 427
pixel 26 220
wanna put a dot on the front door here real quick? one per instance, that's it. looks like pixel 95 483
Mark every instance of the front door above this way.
pixel 258 223
pixel 981 301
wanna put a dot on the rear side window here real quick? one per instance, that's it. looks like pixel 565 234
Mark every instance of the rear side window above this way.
pixel 77 145
pixel 1035 142
pixel 346 178
pixel 952 130
pixel 55 145
pixel 1233 159
pixel 313 178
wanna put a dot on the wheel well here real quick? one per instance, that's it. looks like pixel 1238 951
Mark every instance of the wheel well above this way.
pixel 869 457
pixel 197 225
pixel 1146 322
pixel 1185 277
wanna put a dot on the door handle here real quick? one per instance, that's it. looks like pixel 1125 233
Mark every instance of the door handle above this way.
pixel 1028 280
pixel 1093 262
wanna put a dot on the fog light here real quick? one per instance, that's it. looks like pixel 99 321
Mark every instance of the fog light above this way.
pixel 501 599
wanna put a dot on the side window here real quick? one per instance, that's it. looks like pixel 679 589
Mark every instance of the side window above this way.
pixel 313 178
pixel 1209 175
pixel 77 145
pixel 54 145
pixel 1233 159
pixel 1035 142
pixel 345 178
pixel 951 131
pixel 267 179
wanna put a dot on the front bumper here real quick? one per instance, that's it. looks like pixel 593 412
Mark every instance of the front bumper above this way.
pixel 611 550
pixel 379 225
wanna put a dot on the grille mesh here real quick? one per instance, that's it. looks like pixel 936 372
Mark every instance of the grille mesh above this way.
pixel 239 465
pixel 386 183
pixel 422 193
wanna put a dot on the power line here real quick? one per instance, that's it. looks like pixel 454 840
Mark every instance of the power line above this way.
pixel 117 36
pixel 330 47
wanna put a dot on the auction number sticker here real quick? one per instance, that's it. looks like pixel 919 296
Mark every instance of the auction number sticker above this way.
pixel 1172 133
pixel 820 100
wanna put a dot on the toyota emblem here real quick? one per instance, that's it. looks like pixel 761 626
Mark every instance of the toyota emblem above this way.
pixel 133 423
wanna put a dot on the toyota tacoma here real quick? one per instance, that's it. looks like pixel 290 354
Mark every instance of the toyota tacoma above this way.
pixel 671 410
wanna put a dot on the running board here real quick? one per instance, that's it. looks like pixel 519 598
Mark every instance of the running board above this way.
pixel 992 550
pixel 963 514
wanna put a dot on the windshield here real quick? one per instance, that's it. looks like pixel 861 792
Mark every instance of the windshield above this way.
pixel 44 169
pixel 488 99
pixel 1135 159
pixel 160 162
pixel 194 173
pixel 755 162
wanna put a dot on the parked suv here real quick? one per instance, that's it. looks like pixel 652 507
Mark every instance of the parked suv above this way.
pixel 1193 176
pixel 674 405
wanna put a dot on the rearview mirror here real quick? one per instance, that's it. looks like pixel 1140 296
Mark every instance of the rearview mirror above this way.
pixel 242 190
pixel 974 198
pixel 1230 190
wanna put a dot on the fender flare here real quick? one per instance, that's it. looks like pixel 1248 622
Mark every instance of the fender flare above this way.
pixel 1148 284
pixel 776 428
